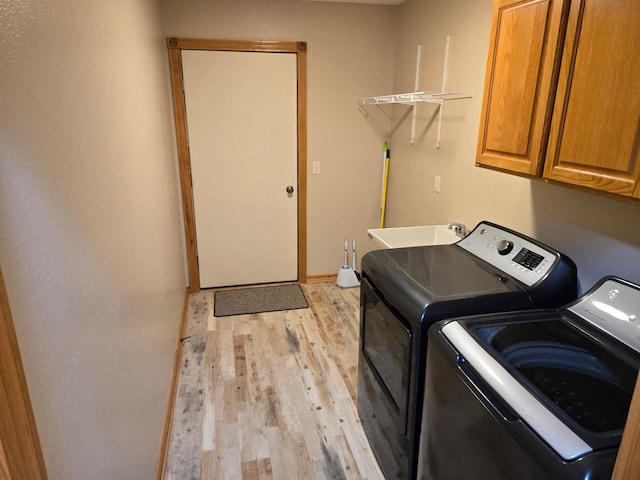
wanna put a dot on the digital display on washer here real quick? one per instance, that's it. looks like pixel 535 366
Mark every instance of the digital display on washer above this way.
pixel 528 259
pixel 580 377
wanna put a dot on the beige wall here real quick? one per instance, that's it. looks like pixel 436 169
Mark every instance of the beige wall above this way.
pixel 90 226
pixel 90 237
pixel 350 55
pixel 601 235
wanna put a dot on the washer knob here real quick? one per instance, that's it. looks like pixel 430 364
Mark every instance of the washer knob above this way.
pixel 504 247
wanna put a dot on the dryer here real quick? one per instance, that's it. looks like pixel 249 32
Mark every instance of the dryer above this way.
pixel 406 290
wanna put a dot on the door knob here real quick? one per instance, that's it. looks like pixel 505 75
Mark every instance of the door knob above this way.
pixel 290 189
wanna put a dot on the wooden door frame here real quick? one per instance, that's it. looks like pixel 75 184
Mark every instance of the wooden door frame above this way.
pixel 175 47
pixel 20 450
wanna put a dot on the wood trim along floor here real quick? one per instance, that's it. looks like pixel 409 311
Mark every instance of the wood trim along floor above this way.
pixel 171 399
pixel 322 278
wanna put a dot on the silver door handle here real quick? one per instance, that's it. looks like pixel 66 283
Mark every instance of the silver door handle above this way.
pixel 290 189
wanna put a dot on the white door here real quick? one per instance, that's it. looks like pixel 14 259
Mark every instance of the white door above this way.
pixel 242 128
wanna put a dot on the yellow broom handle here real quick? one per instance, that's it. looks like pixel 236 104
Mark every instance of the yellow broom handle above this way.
pixel 384 189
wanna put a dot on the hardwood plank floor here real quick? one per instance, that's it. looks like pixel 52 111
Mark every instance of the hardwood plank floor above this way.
pixel 271 395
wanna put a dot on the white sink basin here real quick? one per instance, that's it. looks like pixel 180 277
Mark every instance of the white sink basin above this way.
pixel 412 236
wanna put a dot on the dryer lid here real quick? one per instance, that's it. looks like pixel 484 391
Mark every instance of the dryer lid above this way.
pixel 442 280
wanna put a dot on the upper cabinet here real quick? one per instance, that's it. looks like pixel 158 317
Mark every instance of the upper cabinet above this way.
pixel 594 139
pixel 561 97
pixel 519 81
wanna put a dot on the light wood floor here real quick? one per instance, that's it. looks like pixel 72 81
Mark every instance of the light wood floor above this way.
pixel 271 395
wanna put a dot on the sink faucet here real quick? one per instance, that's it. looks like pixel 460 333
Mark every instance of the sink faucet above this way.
pixel 459 229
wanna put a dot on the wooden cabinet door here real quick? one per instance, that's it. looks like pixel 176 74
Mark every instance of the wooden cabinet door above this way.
pixel 594 140
pixel 521 72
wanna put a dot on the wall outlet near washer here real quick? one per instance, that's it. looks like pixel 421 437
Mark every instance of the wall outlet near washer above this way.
pixel 436 184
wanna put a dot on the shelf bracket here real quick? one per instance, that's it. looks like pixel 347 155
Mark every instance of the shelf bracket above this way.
pixel 415 89
pixel 445 70
pixel 416 97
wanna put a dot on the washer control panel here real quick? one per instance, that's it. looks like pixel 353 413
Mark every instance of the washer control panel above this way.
pixel 614 306
pixel 516 255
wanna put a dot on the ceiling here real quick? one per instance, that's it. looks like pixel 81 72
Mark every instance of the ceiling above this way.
pixel 383 2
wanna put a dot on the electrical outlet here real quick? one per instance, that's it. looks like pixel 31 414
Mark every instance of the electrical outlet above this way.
pixel 316 167
pixel 436 184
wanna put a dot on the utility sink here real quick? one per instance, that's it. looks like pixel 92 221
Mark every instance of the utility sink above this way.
pixel 412 236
